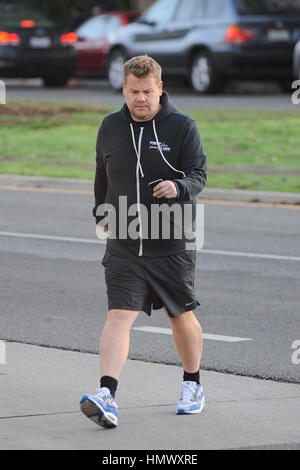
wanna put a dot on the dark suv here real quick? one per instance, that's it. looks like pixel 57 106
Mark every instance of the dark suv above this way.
pixel 211 41
pixel 31 46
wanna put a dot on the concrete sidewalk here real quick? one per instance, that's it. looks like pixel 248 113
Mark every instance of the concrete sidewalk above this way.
pixel 86 186
pixel 41 390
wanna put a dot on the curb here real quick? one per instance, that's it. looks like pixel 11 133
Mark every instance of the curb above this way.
pixel 208 193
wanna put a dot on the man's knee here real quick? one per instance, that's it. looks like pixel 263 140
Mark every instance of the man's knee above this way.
pixel 181 321
pixel 122 317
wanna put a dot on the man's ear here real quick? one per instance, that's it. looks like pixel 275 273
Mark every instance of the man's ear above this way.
pixel 123 89
pixel 161 88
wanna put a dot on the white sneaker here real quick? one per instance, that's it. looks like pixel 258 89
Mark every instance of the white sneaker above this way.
pixel 192 399
pixel 100 408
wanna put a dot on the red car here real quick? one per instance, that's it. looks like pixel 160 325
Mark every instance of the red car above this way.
pixel 92 43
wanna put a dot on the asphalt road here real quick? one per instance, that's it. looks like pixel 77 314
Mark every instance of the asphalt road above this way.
pixel 53 293
pixel 98 93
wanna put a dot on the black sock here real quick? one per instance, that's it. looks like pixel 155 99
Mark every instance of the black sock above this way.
pixel 191 377
pixel 110 383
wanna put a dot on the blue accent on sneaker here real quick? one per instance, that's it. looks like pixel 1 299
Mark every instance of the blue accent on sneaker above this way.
pixel 100 408
pixel 192 399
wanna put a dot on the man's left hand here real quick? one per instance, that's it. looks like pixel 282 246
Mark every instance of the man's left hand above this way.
pixel 166 189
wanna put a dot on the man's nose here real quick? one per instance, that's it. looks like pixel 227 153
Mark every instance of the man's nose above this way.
pixel 141 97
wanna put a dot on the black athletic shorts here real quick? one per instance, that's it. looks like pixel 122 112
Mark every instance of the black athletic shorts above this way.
pixel 150 283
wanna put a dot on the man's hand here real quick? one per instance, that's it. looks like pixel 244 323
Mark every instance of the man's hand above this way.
pixel 166 189
pixel 102 232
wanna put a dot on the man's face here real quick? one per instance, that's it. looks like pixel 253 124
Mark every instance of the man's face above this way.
pixel 142 97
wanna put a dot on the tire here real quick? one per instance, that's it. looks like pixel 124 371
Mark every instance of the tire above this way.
pixel 202 76
pixel 286 86
pixel 55 82
pixel 115 69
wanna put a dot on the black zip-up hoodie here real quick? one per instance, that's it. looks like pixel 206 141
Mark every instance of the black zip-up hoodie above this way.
pixel 130 155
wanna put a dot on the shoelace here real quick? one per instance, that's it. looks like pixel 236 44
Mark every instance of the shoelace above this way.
pixel 104 394
pixel 188 391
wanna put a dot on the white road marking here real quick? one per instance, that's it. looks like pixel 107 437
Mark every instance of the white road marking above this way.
pixel 251 255
pixel 168 331
pixel 96 242
pixel 49 237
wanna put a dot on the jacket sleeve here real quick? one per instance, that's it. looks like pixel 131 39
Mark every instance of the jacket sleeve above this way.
pixel 100 183
pixel 193 164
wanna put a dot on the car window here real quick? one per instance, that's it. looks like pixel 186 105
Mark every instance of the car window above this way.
pixel 199 9
pixel 214 8
pixel 161 11
pixel 267 7
pixel 12 15
pixel 185 10
pixel 99 27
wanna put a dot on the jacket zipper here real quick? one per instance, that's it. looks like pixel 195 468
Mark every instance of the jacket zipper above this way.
pixel 138 193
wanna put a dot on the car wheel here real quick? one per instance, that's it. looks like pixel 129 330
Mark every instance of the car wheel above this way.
pixel 55 82
pixel 115 69
pixel 286 86
pixel 203 77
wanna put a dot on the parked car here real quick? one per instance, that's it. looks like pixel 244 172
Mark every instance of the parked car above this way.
pixel 211 41
pixel 92 44
pixel 297 61
pixel 31 46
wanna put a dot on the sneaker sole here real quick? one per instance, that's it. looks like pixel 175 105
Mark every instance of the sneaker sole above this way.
pixel 97 414
pixel 182 411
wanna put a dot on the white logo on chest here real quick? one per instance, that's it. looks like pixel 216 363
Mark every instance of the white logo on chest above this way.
pixel 153 146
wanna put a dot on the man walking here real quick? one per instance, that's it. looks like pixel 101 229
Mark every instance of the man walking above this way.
pixel 150 153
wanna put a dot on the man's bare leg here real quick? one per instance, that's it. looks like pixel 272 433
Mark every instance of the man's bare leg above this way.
pixel 115 340
pixel 114 347
pixel 188 337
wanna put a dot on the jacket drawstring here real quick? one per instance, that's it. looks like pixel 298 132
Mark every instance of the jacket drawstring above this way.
pixel 139 168
pixel 161 152
pixel 139 150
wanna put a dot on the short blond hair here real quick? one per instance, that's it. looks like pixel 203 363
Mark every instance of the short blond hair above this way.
pixel 141 67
